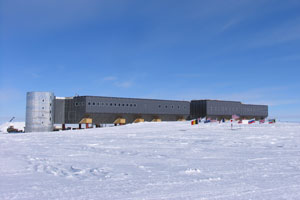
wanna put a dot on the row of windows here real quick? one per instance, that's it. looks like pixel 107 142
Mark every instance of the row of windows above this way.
pixel 44 101
pixel 111 104
pixel 257 112
pixel 236 109
pixel 79 103
pixel 43 108
pixel 104 104
pixel 170 106
pixel 122 105
pixel 223 109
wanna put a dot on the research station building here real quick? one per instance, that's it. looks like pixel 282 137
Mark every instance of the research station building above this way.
pixel 44 109
pixel 106 110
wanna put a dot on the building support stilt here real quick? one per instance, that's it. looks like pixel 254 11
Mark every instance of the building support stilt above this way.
pixel 137 120
pixel 156 120
pixel 120 121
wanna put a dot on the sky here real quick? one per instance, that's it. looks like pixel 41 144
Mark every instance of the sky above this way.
pixel 241 50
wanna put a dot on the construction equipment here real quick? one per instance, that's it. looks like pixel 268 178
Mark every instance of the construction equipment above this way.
pixel 11 129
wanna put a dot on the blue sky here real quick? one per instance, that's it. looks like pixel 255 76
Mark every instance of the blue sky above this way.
pixel 230 50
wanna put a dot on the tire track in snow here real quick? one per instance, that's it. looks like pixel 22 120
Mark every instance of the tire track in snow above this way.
pixel 57 169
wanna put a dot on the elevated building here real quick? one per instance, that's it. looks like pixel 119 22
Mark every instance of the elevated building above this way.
pixel 106 110
pixel 43 110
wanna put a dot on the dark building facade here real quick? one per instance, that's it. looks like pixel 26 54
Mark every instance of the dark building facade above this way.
pixel 216 109
pixel 43 110
pixel 105 110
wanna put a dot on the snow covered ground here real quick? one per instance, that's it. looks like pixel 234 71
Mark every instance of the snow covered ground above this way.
pixel 167 160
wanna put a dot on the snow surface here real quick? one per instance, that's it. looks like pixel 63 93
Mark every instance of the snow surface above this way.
pixel 167 160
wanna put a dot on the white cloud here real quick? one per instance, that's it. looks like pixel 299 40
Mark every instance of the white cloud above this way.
pixel 231 23
pixel 12 103
pixel 289 31
pixel 193 75
pixel 110 78
pixel 35 75
pixel 272 96
pixel 117 82
pixel 9 94
pixel 125 84
pixel 35 16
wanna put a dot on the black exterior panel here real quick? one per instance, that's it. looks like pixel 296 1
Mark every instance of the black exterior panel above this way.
pixel 225 109
pixel 108 109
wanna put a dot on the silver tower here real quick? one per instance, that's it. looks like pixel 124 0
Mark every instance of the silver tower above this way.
pixel 39 112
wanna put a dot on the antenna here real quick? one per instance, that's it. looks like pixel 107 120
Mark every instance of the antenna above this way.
pixel 11 119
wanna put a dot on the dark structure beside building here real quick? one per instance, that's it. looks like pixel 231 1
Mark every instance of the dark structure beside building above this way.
pixel 215 109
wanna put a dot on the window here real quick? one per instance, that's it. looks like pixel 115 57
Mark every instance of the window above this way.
pixel 126 104
pixel 98 104
pixel 134 105
pixel 130 105
pixel 43 108
pixel 166 106
pixel 89 103
pixel 123 104
pixel 76 104
pixel 110 104
pixel 94 103
pixel 50 119
pixel 178 107
pixel 119 104
pixel 43 100
pixel 115 104
pixel 159 106
pixel 50 104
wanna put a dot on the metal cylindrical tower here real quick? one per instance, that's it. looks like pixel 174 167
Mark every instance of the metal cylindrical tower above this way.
pixel 39 112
